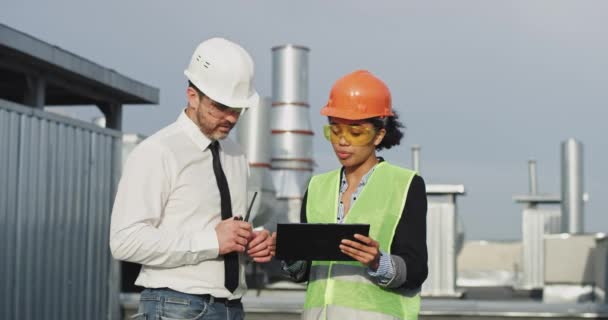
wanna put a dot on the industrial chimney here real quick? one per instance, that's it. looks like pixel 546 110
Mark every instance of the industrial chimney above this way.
pixel 572 186
pixel 292 159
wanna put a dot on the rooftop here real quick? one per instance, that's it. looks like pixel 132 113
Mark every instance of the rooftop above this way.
pixel 68 78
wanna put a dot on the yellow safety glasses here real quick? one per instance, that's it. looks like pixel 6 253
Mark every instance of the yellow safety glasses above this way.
pixel 355 135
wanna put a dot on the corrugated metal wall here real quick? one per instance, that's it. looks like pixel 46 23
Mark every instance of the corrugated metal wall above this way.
pixel 57 182
pixel 441 246
pixel 536 223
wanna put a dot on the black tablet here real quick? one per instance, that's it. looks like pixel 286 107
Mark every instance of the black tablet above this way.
pixel 315 241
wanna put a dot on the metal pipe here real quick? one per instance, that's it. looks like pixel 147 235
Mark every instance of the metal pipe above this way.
pixel 416 157
pixel 532 177
pixel 290 127
pixel 290 75
pixel 572 186
pixel 291 158
pixel 253 134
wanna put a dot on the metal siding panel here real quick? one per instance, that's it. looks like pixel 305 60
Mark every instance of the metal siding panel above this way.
pixel 441 237
pixel 21 212
pixel 113 265
pixel 104 156
pixel 31 238
pixel 51 303
pixel 57 182
pixel 430 286
pixel 72 225
pixel 71 256
pixel 79 249
pixel 25 174
pixel 81 218
pixel 113 281
pixel 47 204
pixel 61 220
pixel 13 211
pixel 532 235
pixel 108 156
pixel 90 193
pixel 449 257
pixel 94 200
pixel 106 230
pixel 3 212
pixel 536 222
pixel 95 214
pixel 39 278
pixel 8 168
pixel 46 208
pixel 65 240
pixel 98 222
pixel 4 160
pixel 436 235
pixel 97 217
pixel 88 198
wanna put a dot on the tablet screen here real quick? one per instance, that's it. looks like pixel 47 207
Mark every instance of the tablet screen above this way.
pixel 315 241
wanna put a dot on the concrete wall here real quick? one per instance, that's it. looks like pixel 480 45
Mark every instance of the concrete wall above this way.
pixel 486 263
pixel 569 259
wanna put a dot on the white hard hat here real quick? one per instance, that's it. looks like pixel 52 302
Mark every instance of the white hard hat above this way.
pixel 223 71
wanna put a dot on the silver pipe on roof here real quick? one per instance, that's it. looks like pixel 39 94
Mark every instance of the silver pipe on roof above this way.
pixel 416 158
pixel 291 155
pixel 532 177
pixel 572 186
pixel 290 75
pixel 254 134
pixel 291 160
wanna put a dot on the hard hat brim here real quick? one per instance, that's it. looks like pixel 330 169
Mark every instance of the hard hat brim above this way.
pixel 252 101
pixel 349 114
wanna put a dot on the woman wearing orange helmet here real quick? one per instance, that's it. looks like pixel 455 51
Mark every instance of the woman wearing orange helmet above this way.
pixel 391 264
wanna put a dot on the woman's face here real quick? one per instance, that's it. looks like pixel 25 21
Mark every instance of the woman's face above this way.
pixel 354 141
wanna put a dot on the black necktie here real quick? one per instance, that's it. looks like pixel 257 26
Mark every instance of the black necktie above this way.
pixel 231 260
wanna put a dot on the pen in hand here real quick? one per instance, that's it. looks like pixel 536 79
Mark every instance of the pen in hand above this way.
pixel 239 218
pixel 250 206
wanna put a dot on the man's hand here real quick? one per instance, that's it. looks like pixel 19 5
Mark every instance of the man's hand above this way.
pixel 233 235
pixel 263 246
pixel 366 251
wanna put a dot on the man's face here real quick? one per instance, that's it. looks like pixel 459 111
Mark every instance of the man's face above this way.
pixel 214 119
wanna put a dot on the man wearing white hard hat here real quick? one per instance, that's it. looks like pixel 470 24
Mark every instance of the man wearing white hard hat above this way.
pixel 183 190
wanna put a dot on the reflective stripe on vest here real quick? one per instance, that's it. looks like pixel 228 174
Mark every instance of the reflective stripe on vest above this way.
pixel 337 312
pixel 344 290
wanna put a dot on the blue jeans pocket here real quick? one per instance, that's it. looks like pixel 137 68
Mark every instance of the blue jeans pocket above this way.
pixel 183 309
pixel 139 316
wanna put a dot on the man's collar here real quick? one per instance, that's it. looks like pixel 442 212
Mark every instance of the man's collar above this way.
pixel 194 132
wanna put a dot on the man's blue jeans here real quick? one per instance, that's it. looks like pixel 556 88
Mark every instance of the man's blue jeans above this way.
pixel 167 304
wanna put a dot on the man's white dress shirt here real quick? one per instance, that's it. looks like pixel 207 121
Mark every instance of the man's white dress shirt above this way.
pixel 167 207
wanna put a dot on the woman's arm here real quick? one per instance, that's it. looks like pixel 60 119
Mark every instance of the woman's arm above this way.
pixel 408 251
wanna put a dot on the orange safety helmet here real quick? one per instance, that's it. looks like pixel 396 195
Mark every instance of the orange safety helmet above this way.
pixel 359 95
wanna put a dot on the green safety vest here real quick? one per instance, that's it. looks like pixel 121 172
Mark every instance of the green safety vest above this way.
pixel 343 289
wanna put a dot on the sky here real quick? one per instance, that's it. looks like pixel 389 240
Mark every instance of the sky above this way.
pixel 482 86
